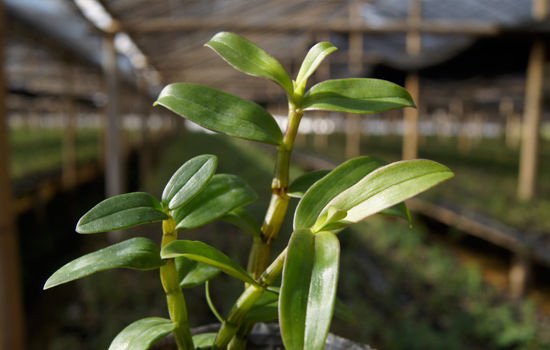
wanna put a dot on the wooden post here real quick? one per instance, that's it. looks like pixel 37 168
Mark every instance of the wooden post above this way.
pixel 353 135
pixel 412 84
pixel 532 113
pixel 355 51
pixel 11 305
pixel 520 271
pixel 113 154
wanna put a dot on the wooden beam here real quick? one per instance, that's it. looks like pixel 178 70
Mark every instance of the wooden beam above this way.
pixel 284 25
pixel 532 113
pixel 11 304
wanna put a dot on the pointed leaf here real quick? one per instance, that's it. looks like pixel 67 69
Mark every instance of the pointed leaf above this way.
pixel 192 273
pixel 338 180
pixel 121 212
pixel 301 184
pixel 357 95
pixel 141 334
pixel 202 252
pixel 136 253
pixel 248 58
pixel 387 186
pixel 222 194
pixel 308 289
pixel 189 180
pixel 222 112
pixel 204 340
pixel 243 220
pixel 313 59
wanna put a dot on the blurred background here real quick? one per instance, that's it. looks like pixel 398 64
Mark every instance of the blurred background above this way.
pixel 77 124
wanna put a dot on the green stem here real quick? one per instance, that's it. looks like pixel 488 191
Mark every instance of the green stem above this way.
pixel 246 301
pixel 174 295
pixel 276 212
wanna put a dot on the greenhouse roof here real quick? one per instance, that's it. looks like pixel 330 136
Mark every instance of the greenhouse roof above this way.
pixel 170 34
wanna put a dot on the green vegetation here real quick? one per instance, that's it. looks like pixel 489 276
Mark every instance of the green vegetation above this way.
pixel 485 176
pixel 38 150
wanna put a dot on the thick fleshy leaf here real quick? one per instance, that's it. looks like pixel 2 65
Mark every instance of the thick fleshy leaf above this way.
pixel 136 253
pixel 308 290
pixel 385 187
pixel 192 273
pixel 204 340
pixel 325 189
pixel 357 95
pixel 141 334
pixel 301 184
pixel 248 58
pixel 202 252
pixel 222 112
pixel 313 59
pixel 121 212
pixel 222 194
pixel 243 220
pixel 189 180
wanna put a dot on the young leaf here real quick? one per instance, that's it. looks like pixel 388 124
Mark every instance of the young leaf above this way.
pixel 136 253
pixel 222 194
pixel 248 58
pixel 192 273
pixel 385 187
pixel 316 198
pixel 141 334
pixel 221 112
pixel 357 95
pixel 308 290
pixel 301 184
pixel 189 180
pixel 313 59
pixel 121 212
pixel 204 340
pixel 202 252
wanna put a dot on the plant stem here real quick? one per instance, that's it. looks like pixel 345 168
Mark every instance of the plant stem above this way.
pixel 246 301
pixel 174 295
pixel 276 212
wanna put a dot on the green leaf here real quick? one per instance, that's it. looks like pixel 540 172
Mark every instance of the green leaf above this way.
pixel 222 194
pixel 247 57
pixel 313 59
pixel 121 212
pixel 243 220
pixel 204 340
pixel 399 210
pixel 308 290
pixel 357 95
pixel 342 177
pixel 189 180
pixel 301 184
pixel 385 187
pixel 202 252
pixel 192 273
pixel 136 253
pixel 265 309
pixel 141 334
pixel 222 112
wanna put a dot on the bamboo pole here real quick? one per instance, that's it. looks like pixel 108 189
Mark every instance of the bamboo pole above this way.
pixel 412 84
pixel 532 113
pixel 11 305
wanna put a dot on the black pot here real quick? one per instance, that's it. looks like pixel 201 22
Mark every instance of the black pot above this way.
pixel 266 336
